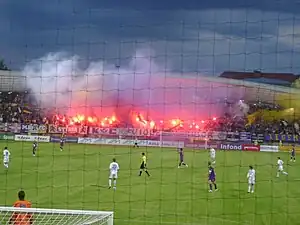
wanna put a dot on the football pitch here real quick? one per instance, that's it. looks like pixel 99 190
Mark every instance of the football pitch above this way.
pixel 77 178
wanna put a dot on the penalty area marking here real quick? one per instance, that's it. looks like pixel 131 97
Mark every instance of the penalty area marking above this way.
pixel 202 223
pixel 184 215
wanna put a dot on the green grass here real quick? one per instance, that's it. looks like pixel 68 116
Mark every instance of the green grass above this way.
pixel 77 179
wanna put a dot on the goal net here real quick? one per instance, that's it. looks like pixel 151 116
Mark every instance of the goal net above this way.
pixel 156 87
pixel 27 216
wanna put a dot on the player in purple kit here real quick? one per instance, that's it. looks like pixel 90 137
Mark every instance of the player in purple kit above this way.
pixel 211 178
pixel 181 157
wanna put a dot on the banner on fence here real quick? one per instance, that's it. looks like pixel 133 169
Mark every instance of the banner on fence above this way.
pixel 33 128
pixel 32 138
pixel 102 131
pixel 217 136
pixel 67 139
pixel 10 127
pixel 269 148
pixel 282 137
pixel 245 136
pixel 136 132
pixel 7 136
pixel 233 136
pixel 54 129
pixel 258 137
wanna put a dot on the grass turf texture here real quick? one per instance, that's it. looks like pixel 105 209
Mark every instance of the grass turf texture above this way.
pixel 77 178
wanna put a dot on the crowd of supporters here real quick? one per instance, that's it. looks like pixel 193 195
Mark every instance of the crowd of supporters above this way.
pixel 17 107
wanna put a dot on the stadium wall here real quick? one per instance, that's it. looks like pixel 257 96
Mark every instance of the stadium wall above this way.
pixel 12 81
pixel 245 141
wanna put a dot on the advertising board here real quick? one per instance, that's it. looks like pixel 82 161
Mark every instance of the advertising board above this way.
pixel 7 136
pixel 32 138
pixel 231 146
pixel 92 141
pixel 269 148
pixel 287 148
pixel 251 147
pixel 67 139
pixel 149 143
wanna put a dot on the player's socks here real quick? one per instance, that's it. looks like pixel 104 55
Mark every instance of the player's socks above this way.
pixel 285 173
pixel 210 187
pixel 252 188
pixel 216 188
pixel 109 183
pixel 249 188
pixel 115 183
pixel 277 174
pixel 147 173
pixel 140 173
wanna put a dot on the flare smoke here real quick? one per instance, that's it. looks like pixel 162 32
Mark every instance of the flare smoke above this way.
pixel 58 81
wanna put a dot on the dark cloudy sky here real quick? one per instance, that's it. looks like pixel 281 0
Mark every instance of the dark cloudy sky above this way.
pixel 205 36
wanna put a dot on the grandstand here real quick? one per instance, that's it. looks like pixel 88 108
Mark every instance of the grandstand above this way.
pixel 119 114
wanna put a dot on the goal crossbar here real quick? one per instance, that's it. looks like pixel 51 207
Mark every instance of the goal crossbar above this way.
pixel 78 217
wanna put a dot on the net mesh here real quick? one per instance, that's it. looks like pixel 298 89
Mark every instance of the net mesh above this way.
pixel 23 216
pixel 91 83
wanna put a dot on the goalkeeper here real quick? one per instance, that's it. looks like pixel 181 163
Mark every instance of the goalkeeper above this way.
pixel 18 218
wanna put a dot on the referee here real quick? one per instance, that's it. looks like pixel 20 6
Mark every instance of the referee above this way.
pixel 143 166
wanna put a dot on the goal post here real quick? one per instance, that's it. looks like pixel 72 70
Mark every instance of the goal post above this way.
pixel 12 215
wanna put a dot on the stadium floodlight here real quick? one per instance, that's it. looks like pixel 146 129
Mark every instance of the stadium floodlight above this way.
pixel 12 215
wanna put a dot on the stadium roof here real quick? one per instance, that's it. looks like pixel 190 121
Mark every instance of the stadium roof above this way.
pixel 283 79
pixel 251 91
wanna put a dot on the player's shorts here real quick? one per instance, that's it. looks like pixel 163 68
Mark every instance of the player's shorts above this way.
pixel 212 180
pixel 61 144
pixel 251 181
pixel 5 161
pixel 113 175
pixel 280 168
pixel 213 158
pixel 143 166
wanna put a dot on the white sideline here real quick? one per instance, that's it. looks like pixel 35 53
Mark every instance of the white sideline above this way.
pixel 56 211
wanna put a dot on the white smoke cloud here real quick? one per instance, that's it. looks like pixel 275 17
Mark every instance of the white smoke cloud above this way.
pixel 58 81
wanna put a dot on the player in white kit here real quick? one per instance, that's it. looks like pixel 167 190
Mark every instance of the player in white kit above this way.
pixel 280 167
pixel 6 155
pixel 212 153
pixel 251 179
pixel 114 169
